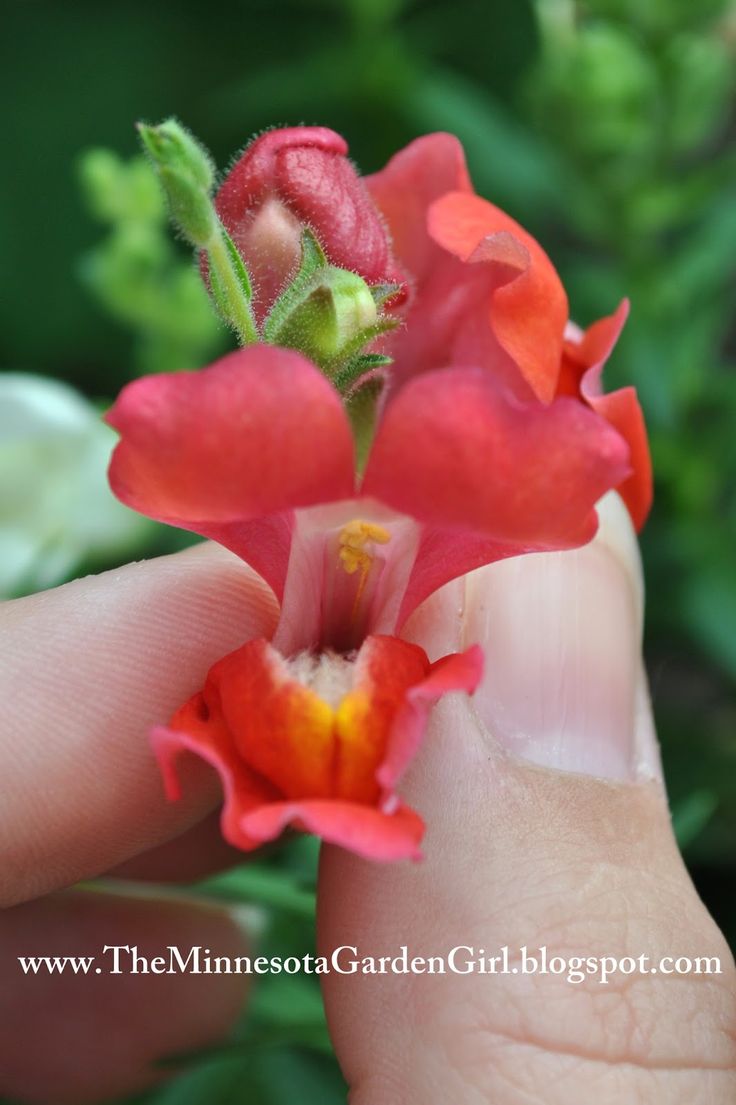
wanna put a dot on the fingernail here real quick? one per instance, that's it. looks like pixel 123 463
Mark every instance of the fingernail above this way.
pixel 561 635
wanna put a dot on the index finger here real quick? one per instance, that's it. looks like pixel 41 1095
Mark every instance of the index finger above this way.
pixel 85 671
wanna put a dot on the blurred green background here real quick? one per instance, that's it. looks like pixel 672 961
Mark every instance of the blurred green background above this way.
pixel 605 126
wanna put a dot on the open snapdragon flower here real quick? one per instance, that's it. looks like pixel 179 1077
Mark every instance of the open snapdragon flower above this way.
pixel 315 728
pixel 486 293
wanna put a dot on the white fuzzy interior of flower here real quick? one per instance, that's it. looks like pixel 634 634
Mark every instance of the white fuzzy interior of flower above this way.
pixel 328 674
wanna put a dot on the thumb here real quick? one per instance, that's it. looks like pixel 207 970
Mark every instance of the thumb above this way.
pixel 549 837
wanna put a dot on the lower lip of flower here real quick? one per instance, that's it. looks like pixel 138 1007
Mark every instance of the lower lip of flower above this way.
pixel 308 728
pixel 317 725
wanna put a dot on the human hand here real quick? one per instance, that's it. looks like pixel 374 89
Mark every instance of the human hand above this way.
pixel 579 858
pixel 574 853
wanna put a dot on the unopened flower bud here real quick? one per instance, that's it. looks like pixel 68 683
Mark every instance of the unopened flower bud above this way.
pixel 187 175
pixel 294 178
pixel 171 145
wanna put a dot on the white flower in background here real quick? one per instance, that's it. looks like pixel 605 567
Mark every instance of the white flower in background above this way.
pixel 55 506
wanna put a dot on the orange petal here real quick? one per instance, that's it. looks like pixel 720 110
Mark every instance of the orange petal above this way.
pixel 528 311
pixel 385 670
pixel 283 730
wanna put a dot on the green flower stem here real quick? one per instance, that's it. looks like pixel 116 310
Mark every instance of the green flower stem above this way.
pixel 187 175
pixel 234 302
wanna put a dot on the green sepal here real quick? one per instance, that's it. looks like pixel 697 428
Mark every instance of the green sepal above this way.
pixel 218 295
pixel 382 293
pixel 361 406
pixel 357 367
pixel 241 271
pixel 241 275
pixel 312 260
pixel 316 312
pixel 362 338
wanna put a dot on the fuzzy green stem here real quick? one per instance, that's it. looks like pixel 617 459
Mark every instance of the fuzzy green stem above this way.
pixel 235 305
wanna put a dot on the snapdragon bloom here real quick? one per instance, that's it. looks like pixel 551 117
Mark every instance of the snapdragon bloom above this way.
pixel 474 287
pixel 315 728
pixel 484 292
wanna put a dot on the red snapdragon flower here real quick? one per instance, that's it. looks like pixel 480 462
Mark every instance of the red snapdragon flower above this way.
pixel 486 293
pixel 480 289
pixel 257 453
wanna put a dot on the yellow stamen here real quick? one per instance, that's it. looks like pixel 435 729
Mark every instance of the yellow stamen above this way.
pixel 355 553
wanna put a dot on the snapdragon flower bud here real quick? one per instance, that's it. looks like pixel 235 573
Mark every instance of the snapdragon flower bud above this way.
pixel 294 178
pixel 187 175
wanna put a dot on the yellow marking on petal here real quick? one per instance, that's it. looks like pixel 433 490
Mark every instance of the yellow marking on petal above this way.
pixel 361 733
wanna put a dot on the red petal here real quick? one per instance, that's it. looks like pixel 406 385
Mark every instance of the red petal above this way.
pixel 459 672
pixel 597 343
pixel 256 172
pixel 404 189
pixel 622 410
pixel 282 729
pixel 456 452
pixel 587 358
pixel 192 729
pixel 365 830
pixel 222 451
pixel 388 671
pixel 251 815
pixel 528 312
pixel 445 554
pixel 281 751
pixel 295 740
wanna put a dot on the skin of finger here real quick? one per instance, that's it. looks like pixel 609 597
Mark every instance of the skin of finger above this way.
pixel 518 855
pixel 85 671
pixel 197 853
pixel 83 1038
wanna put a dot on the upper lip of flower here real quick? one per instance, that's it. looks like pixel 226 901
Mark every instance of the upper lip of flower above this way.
pixel 487 293
pixel 232 451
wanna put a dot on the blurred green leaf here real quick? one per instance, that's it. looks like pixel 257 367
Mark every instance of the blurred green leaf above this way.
pixel 259 884
pixel 692 814
pixel 710 607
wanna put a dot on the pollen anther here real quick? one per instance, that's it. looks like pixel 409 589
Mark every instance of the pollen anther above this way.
pixel 355 540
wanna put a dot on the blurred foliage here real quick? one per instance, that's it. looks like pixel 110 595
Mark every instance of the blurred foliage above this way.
pixel 135 272
pixel 639 101
pixel 605 126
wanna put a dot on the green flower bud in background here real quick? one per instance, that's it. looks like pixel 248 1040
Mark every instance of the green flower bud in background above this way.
pixel 597 90
pixel 118 191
